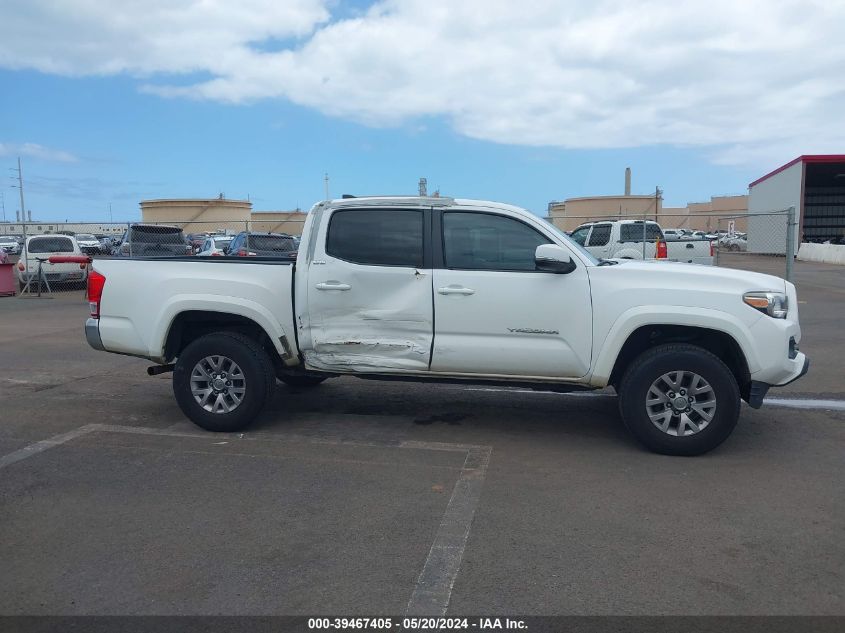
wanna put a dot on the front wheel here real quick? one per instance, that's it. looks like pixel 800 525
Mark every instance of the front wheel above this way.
pixel 679 399
pixel 222 381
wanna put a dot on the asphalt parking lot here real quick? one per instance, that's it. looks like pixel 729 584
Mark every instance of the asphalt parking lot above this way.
pixel 370 498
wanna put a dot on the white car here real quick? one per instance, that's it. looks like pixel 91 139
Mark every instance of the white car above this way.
pixel 215 245
pixel 89 244
pixel 446 290
pixel 9 245
pixel 38 249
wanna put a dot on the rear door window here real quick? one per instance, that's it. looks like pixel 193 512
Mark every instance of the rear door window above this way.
pixel 634 232
pixel 377 237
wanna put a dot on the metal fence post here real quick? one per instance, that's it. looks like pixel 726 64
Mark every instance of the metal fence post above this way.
pixel 790 242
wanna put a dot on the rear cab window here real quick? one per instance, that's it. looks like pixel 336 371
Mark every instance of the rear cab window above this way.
pixel 276 243
pixel 377 237
pixel 157 235
pixel 50 245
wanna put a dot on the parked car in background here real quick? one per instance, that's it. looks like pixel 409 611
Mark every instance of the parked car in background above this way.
pixel 153 240
pixel 215 245
pixel 38 249
pixel 9 245
pixel 196 240
pixel 89 244
pixel 737 242
pixel 631 239
pixel 247 244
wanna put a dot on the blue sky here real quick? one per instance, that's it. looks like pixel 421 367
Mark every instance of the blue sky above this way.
pixel 92 135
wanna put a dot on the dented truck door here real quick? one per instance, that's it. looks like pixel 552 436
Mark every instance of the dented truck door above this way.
pixel 369 292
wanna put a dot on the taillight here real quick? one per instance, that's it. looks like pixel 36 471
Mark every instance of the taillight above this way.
pixel 711 249
pixel 216 254
pixel 242 252
pixel 662 251
pixel 96 281
pixel 21 267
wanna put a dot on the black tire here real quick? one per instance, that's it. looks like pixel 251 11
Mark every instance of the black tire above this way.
pixel 253 361
pixel 665 359
pixel 298 380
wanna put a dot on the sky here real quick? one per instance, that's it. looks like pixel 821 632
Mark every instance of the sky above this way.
pixel 111 103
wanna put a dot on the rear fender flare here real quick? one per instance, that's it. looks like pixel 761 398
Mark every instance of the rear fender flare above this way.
pixel 214 303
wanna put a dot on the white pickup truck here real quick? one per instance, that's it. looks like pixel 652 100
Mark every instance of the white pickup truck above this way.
pixel 441 289
pixel 633 239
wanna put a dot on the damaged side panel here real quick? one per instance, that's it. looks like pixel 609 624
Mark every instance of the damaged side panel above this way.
pixel 383 322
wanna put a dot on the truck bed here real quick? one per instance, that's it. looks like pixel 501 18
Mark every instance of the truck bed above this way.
pixel 142 296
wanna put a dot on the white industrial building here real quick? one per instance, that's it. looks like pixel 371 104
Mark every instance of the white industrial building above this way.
pixel 814 185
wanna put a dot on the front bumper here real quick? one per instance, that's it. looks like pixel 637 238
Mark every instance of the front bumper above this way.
pixel 758 390
pixel 92 334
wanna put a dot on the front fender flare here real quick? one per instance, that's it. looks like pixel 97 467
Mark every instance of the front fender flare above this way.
pixel 634 318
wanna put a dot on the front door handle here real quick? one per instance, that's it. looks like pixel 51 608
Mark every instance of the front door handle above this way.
pixel 332 285
pixel 455 290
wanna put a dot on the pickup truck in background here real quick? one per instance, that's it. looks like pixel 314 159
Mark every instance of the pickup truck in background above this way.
pixel 442 289
pixel 634 239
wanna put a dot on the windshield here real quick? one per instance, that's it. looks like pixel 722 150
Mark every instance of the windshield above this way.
pixel 8 239
pixel 221 242
pixel 50 245
pixel 575 245
pixel 85 237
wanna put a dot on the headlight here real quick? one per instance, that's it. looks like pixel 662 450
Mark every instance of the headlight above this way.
pixel 775 304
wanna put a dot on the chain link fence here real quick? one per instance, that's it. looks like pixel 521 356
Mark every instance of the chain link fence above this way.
pixel 754 241
pixel 50 258
pixel 46 257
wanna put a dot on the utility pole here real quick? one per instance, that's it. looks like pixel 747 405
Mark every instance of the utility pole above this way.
pixel 326 183
pixel 20 189
pixel 657 193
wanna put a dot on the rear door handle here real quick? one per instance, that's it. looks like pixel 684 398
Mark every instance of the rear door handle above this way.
pixel 332 285
pixel 455 290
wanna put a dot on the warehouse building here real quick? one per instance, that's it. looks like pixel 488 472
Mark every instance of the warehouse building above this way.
pixel 815 186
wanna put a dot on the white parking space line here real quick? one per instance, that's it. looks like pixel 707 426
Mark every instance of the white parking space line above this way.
pixel 790 403
pixel 433 589
pixel 797 403
pixel 43 445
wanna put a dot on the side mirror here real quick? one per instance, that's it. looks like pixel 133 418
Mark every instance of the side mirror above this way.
pixel 551 258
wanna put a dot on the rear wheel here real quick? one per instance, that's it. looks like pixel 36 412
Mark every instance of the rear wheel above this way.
pixel 299 380
pixel 679 399
pixel 222 381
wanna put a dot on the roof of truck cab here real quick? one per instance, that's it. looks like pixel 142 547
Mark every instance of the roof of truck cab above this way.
pixel 417 201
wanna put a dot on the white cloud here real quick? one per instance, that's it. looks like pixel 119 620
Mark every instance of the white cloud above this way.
pixel 744 80
pixel 34 150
